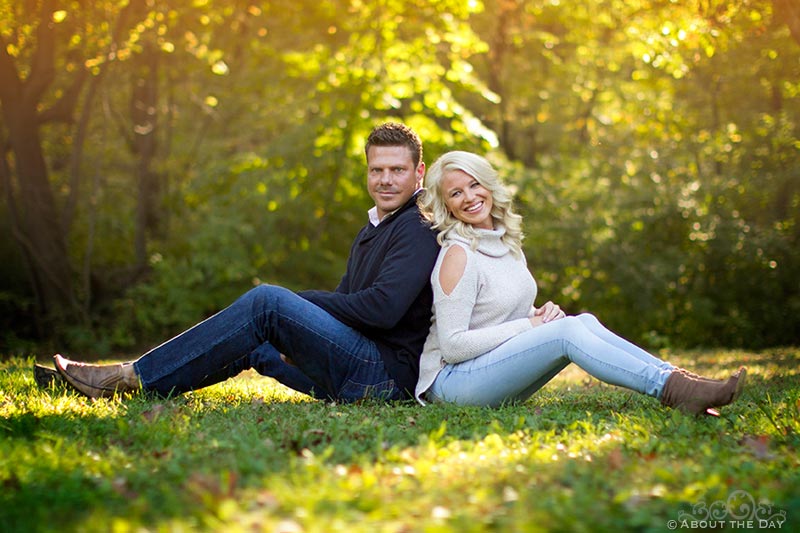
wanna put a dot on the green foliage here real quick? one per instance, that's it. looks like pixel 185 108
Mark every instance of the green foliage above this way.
pixel 659 193
pixel 653 147
pixel 249 454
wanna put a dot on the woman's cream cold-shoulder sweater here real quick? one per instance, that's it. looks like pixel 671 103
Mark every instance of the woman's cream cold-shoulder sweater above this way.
pixel 489 305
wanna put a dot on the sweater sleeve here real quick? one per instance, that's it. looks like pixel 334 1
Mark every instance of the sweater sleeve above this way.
pixel 457 341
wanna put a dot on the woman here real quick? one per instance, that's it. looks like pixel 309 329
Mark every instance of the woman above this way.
pixel 488 344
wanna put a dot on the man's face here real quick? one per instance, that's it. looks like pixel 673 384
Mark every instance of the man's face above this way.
pixel 391 177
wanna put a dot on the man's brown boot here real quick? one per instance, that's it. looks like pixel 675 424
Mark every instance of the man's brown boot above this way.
pixel 98 381
pixel 696 396
pixel 46 377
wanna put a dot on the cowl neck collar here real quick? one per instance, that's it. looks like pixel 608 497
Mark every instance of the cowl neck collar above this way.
pixel 489 241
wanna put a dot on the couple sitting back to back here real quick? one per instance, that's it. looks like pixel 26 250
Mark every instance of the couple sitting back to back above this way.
pixel 436 303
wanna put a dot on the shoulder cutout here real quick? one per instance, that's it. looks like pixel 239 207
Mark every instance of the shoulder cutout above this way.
pixel 452 269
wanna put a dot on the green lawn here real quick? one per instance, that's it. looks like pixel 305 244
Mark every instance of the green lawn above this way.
pixel 250 455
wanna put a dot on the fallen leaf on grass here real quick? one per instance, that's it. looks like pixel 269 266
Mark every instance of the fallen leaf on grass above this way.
pixel 267 500
pixel 120 486
pixel 615 459
pixel 758 445
pixel 154 412
pixel 311 437
pixel 212 487
pixel 160 454
pixel 650 456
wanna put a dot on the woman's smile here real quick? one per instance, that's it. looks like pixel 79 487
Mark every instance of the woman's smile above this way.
pixel 468 200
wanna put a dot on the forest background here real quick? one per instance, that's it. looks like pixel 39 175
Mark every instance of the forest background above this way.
pixel 161 157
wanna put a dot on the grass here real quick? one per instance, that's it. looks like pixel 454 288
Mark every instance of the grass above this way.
pixel 250 455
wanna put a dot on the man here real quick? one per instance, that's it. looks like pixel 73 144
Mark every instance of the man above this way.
pixel 362 340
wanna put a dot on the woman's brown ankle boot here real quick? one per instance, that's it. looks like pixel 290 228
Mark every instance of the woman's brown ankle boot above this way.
pixel 698 376
pixel 695 396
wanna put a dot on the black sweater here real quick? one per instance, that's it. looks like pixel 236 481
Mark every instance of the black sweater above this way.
pixel 386 293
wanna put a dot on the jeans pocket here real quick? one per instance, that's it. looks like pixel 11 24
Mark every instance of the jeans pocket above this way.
pixel 352 391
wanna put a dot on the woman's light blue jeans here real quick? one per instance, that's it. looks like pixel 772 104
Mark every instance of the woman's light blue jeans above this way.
pixel 331 360
pixel 516 369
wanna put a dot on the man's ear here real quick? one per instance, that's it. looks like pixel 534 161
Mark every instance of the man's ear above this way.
pixel 420 173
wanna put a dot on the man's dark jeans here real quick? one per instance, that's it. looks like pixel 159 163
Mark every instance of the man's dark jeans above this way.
pixel 331 360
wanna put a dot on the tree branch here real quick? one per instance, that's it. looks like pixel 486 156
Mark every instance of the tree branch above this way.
pixel 63 109
pixel 11 87
pixel 77 155
pixel 43 70
pixel 83 123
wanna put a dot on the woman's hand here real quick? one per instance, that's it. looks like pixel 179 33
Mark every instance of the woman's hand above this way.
pixel 546 313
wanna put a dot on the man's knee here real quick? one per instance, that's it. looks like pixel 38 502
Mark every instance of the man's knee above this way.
pixel 266 294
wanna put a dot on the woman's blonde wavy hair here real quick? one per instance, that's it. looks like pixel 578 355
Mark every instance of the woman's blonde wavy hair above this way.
pixel 433 207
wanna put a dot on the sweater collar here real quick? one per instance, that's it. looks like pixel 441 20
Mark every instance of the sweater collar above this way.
pixel 489 241
pixel 373 211
pixel 368 232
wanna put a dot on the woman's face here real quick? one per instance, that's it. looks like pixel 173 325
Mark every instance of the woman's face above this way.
pixel 467 200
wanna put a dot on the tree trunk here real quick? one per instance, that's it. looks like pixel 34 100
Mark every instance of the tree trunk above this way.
pixel 789 12
pixel 36 222
pixel 144 102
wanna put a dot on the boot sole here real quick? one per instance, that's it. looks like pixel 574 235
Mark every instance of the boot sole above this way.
pixel 739 384
pixel 740 380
